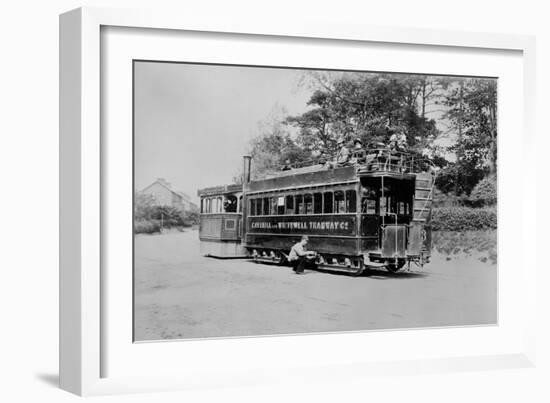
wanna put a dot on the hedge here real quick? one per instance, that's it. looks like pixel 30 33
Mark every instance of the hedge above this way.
pixel 146 227
pixel 153 226
pixel 463 218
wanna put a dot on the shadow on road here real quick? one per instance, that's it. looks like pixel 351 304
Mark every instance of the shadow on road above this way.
pixel 384 275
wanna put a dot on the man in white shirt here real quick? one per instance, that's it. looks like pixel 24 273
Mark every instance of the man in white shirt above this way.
pixel 299 256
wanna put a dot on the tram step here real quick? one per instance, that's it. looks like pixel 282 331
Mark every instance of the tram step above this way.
pixel 375 265
pixel 266 260
pixel 336 267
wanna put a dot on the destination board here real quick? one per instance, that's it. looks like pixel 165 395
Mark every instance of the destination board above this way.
pixel 314 225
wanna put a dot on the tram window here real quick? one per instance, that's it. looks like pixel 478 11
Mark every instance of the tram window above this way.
pixel 339 202
pixel 240 204
pixel 280 205
pixel 401 208
pixel 290 205
pixel 351 201
pixel 266 206
pixel 273 206
pixel 383 204
pixel 308 203
pixel 252 210
pixel 258 206
pixel 230 204
pixel 328 203
pixel 299 204
pixel 318 203
pixel 202 202
pixel 368 206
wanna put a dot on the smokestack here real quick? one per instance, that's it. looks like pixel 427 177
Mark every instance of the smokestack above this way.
pixel 246 168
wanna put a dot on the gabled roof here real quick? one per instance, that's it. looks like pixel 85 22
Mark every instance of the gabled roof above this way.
pixel 163 184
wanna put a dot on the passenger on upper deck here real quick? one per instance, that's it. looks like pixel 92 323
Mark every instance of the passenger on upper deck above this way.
pixel 322 158
pixel 358 154
pixel 287 166
pixel 342 156
pixel 398 141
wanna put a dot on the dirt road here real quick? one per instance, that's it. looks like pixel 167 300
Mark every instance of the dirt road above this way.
pixel 180 294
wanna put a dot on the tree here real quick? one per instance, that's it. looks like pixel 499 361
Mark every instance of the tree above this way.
pixel 272 147
pixel 471 109
pixel 369 106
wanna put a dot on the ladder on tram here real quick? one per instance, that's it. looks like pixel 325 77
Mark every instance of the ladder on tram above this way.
pixel 423 197
pixel 419 234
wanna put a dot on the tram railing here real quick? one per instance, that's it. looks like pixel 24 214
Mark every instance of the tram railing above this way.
pixel 376 160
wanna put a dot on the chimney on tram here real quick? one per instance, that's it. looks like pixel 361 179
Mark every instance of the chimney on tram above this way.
pixel 246 168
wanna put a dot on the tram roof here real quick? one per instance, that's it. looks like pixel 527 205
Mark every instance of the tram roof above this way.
pixel 382 163
pixel 220 190
pixel 294 178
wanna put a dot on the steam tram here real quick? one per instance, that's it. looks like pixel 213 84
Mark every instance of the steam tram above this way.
pixel 373 213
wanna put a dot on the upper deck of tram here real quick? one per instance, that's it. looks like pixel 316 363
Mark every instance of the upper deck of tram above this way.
pixel 375 162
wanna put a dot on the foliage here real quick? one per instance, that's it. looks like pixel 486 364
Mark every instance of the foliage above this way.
pixel 463 218
pixel 273 147
pixel 150 218
pixel 442 199
pixel 479 244
pixel 485 192
pixel 458 178
pixel 372 107
pixel 146 227
pixel 471 109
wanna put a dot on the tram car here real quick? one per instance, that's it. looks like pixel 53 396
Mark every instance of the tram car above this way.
pixel 373 213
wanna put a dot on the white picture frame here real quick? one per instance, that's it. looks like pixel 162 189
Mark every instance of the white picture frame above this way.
pixel 83 182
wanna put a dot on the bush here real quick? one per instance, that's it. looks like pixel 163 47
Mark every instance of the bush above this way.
pixel 485 192
pixel 146 227
pixel 463 218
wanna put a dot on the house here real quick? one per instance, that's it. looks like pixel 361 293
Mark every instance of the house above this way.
pixel 162 194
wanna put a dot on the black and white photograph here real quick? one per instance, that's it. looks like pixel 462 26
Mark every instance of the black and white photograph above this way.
pixel 271 200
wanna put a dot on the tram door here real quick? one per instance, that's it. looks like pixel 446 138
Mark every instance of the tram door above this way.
pixel 386 212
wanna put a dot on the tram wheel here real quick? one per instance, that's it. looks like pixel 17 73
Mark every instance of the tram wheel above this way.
pixel 393 267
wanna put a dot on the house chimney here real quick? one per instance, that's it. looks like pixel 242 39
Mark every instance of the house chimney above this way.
pixel 246 168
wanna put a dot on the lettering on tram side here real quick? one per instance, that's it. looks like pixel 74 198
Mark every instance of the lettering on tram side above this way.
pixel 332 225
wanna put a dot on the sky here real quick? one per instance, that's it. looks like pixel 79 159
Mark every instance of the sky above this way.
pixel 193 122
